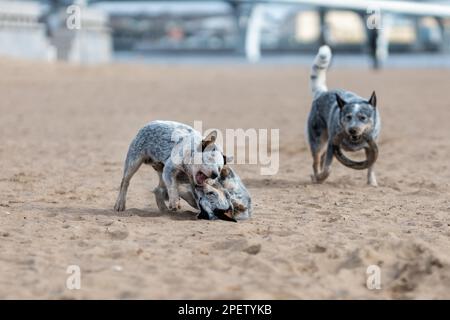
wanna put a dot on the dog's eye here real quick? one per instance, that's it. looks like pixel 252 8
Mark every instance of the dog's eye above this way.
pixel 349 117
pixel 210 193
pixel 362 118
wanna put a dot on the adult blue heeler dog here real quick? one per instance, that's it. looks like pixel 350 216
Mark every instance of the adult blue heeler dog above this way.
pixel 340 119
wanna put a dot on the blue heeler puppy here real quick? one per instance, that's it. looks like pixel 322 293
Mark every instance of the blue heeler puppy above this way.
pixel 340 119
pixel 213 201
pixel 230 181
pixel 225 198
pixel 172 147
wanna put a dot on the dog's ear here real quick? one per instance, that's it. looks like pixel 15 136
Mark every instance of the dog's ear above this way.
pixel 227 159
pixel 225 172
pixel 373 100
pixel 341 103
pixel 209 139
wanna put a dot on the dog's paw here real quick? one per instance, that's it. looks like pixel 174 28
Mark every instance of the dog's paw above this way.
pixel 119 206
pixel 317 179
pixel 373 183
pixel 322 176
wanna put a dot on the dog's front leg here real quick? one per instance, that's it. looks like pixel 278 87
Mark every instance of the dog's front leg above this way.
pixel 169 178
pixel 322 176
pixel 187 194
pixel 371 177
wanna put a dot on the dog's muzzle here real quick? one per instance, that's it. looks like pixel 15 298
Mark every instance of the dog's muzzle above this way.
pixel 371 153
pixel 355 139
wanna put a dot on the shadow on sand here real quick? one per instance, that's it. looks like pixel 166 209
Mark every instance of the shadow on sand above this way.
pixel 270 183
pixel 145 213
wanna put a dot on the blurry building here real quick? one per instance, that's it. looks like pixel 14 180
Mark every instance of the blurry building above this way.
pixel 21 32
pixel 39 30
pixel 170 25
pixel 347 31
pixel 211 26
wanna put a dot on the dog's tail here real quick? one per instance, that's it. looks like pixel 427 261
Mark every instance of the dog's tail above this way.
pixel 318 75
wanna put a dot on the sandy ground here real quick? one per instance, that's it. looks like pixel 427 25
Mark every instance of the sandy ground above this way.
pixel 64 135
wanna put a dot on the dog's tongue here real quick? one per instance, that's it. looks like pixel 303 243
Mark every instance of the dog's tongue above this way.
pixel 200 177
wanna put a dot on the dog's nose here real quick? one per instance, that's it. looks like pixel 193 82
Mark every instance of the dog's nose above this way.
pixel 214 175
pixel 353 131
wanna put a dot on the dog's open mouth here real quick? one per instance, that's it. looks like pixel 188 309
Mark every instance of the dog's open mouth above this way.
pixel 200 178
pixel 355 139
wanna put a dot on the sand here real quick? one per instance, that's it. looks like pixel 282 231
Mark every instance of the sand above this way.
pixel 64 134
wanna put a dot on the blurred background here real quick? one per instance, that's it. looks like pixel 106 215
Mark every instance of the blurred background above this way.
pixel 377 33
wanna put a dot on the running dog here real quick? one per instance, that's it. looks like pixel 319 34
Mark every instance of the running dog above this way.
pixel 340 119
pixel 172 147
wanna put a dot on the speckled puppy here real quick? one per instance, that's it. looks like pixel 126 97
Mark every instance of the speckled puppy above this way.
pixel 340 119
pixel 214 202
pixel 239 195
pixel 175 147
pixel 225 198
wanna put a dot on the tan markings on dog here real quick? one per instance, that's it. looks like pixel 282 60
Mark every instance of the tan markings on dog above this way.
pixel 238 206
pixel 229 214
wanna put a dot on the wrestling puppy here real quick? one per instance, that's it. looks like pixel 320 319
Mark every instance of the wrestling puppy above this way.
pixel 214 202
pixel 239 195
pixel 226 198
pixel 340 119
pixel 174 147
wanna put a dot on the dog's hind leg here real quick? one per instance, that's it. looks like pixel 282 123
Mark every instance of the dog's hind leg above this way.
pixel 317 137
pixel 131 166
pixel 316 165
pixel 317 141
pixel 169 176
pixel 323 175
pixel 161 194
pixel 322 160
pixel 371 177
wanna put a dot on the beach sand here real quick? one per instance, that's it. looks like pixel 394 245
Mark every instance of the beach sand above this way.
pixel 64 134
